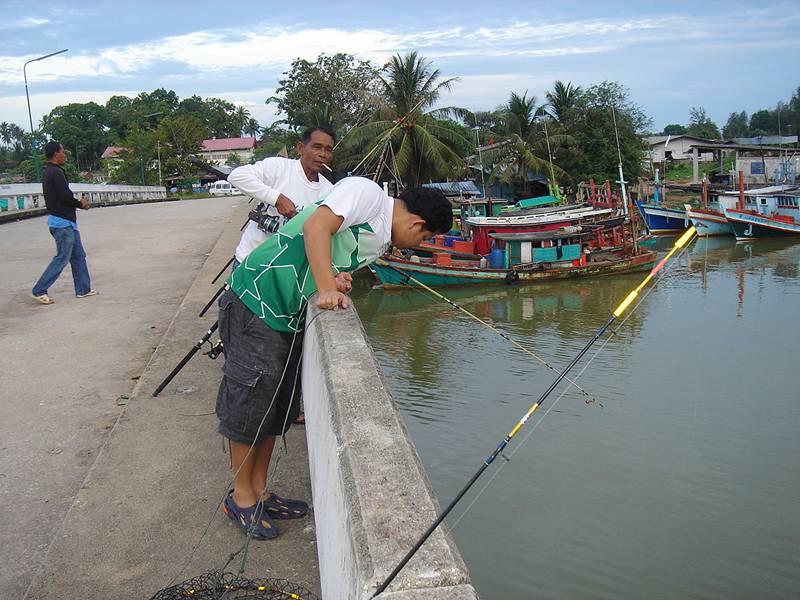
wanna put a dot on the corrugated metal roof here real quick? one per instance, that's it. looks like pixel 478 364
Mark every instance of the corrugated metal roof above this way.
pixel 455 188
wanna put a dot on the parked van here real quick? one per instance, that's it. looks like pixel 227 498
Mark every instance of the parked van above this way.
pixel 221 188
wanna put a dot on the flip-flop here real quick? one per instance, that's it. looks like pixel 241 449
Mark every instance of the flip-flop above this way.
pixel 43 298
pixel 284 508
pixel 253 521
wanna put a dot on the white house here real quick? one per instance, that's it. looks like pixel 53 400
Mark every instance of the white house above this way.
pixel 678 148
pixel 218 150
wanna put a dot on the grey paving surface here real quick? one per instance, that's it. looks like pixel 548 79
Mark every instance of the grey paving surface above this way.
pixel 101 500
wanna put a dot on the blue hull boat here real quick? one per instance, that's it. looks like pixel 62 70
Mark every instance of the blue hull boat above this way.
pixel 662 220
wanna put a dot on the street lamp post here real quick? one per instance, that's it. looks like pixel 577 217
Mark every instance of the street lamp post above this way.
pixel 28 98
pixel 141 150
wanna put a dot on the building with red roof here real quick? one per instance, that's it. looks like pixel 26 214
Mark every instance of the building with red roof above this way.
pixel 218 150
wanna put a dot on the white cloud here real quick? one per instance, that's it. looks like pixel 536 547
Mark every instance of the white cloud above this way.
pixel 24 23
pixel 261 47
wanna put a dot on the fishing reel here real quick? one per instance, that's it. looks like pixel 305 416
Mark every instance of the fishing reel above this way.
pixel 216 349
pixel 266 222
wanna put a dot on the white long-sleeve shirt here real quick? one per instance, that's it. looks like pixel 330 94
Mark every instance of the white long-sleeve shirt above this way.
pixel 265 181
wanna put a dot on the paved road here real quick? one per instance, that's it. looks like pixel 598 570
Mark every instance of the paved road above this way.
pixel 64 366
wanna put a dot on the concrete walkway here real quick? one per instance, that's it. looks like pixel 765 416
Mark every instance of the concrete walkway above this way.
pixel 102 500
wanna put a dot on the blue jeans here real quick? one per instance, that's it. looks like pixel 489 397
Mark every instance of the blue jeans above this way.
pixel 69 249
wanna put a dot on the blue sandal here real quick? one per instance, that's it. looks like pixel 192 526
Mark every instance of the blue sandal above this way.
pixel 253 521
pixel 284 508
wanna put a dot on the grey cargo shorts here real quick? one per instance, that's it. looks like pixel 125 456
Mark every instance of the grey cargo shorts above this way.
pixel 253 402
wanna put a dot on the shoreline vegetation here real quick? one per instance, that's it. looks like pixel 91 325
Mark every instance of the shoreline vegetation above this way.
pixel 393 124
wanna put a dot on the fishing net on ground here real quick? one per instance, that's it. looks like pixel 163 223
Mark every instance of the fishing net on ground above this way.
pixel 217 585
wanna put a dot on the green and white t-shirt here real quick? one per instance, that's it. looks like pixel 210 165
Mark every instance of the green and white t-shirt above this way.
pixel 275 280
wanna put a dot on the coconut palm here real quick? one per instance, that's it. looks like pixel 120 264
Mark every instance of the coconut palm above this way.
pixel 414 142
pixel 6 133
pixel 562 101
pixel 524 150
pixel 241 117
pixel 252 127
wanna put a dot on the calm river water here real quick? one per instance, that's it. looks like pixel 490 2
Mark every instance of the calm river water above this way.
pixel 682 478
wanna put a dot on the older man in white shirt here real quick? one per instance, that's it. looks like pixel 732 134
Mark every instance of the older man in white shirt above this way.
pixel 284 186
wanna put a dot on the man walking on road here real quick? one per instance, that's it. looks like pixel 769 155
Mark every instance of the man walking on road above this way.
pixel 62 221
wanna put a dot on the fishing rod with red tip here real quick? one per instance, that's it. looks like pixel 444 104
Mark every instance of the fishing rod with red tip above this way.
pixel 680 243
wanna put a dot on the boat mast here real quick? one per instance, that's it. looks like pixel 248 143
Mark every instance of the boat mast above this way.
pixel 621 175
pixel 553 184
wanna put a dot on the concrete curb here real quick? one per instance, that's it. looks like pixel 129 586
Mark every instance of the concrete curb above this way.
pixel 372 497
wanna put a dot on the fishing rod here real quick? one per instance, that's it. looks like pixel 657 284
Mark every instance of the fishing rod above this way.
pixel 505 336
pixel 215 351
pixel 210 302
pixel 680 243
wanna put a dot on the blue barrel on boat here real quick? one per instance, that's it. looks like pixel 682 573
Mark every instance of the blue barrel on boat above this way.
pixel 497 259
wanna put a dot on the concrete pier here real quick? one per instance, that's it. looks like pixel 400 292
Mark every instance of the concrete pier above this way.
pixel 108 492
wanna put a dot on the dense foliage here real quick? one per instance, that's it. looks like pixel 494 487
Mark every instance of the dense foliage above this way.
pixel 388 126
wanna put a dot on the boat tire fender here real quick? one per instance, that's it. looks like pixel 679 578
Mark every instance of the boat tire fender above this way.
pixel 512 277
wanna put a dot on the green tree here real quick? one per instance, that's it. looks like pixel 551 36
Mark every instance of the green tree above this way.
pixel 411 141
pixel 178 139
pixel 593 153
pixel 736 126
pixel 337 91
pixel 563 101
pixel 252 127
pixel 764 122
pixel 5 133
pixel 700 125
pixel 81 128
pixel 524 150
pixel 242 116
pixel 675 129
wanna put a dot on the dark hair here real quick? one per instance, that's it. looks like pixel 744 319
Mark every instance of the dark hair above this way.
pixel 431 205
pixel 306 137
pixel 50 148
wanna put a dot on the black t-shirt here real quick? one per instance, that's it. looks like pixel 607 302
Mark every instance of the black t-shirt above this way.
pixel 57 195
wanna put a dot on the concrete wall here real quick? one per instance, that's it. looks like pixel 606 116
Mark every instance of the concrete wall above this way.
pixel 21 196
pixel 372 499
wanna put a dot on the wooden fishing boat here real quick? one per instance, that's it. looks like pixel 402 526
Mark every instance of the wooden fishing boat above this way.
pixel 662 220
pixel 465 272
pixel 711 219
pixel 570 251
pixel 482 228
pixel 776 216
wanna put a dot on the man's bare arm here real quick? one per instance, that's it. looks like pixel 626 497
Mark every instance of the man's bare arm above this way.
pixel 317 233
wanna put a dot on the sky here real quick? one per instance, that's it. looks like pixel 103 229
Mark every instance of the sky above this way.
pixel 722 56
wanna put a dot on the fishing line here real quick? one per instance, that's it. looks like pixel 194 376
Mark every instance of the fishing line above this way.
pixel 533 428
pixel 230 483
pixel 623 306
pixel 424 288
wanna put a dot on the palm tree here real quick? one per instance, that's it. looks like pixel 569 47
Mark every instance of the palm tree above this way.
pixel 562 101
pixel 402 134
pixel 6 133
pixel 525 149
pixel 241 117
pixel 252 127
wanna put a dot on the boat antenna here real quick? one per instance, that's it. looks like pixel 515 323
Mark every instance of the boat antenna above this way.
pixel 553 184
pixel 664 184
pixel 621 175
pixel 681 242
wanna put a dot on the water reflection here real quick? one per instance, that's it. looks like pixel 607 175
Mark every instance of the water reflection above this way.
pixel 685 485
